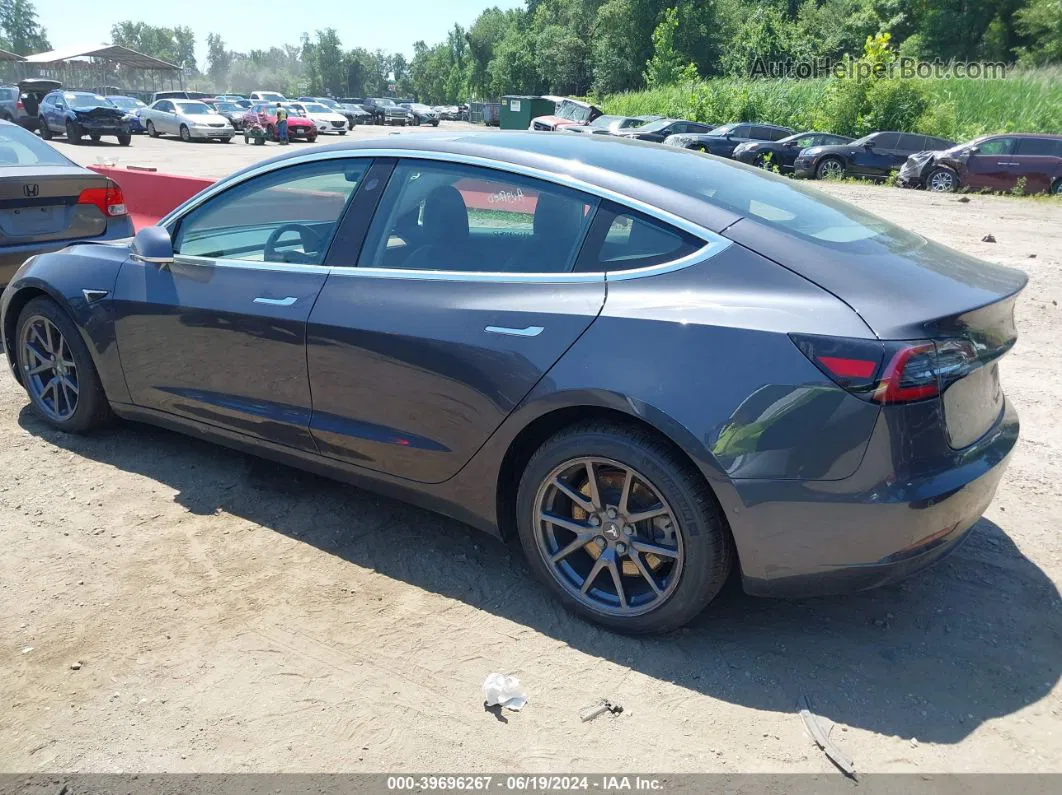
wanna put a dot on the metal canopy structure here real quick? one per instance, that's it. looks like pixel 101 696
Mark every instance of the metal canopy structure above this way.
pixel 106 69
pixel 9 66
pixel 10 56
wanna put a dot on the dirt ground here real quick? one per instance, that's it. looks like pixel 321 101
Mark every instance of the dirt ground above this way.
pixel 230 614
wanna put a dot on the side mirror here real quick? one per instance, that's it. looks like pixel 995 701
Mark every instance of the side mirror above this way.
pixel 789 144
pixel 868 145
pixel 973 150
pixel 152 244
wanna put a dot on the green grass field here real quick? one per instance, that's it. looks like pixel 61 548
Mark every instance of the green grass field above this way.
pixel 1026 101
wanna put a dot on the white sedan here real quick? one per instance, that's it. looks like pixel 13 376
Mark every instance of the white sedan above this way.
pixel 188 118
pixel 326 119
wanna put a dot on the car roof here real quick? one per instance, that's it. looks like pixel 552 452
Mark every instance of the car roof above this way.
pixel 661 176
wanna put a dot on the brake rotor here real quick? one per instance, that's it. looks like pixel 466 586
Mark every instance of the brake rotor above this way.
pixel 610 485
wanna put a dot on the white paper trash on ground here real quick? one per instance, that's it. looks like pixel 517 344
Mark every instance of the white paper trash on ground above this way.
pixel 503 690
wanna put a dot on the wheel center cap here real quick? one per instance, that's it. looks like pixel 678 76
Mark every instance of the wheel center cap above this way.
pixel 611 529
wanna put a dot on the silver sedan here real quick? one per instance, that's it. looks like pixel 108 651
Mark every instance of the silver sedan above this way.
pixel 190 119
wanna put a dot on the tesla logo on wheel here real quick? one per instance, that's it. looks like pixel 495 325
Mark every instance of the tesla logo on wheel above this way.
pixel 31 190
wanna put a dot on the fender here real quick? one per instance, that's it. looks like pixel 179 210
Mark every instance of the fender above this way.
pixel 63 275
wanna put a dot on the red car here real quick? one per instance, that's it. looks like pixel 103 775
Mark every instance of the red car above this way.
pixel 570 113
pixel 993 163
pixel 264 114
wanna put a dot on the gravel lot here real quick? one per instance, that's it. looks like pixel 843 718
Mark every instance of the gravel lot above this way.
pixel 229 614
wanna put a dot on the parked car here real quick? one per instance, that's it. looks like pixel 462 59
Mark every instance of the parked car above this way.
pixel 993 162
pixel 326 119
pixel 854 354
pixel 723 140
pixel 132 107
pixel 422 114
pixel 200 95
pixel 781 154
pixel 48 202
pixel 264 114
pixel 230 110
pixel 570 112
pixel 385 111
pixel 606 125
pixel 21 103
pixel 231 97
pixel 659 130
pixel 79 113
pixel 875 156
pixel 192 120
pixel 267 96
pixel 328 102
pixel 356 114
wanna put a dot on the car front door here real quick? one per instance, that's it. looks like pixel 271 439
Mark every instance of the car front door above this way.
pixel 875 157
pixel 219 335
pixel 164 117
pixel 55 115
pixel 462 299
pixel 987 168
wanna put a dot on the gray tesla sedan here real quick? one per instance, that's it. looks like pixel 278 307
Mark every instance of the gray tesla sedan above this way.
pixel 649 365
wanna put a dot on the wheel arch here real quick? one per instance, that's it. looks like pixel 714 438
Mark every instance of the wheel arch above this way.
pixel 540 428
pixel 15 304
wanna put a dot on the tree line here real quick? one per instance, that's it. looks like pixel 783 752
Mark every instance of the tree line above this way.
pixel 600 47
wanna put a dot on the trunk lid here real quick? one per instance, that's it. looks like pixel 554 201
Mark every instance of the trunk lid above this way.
pixel 43 205
pixel 905 287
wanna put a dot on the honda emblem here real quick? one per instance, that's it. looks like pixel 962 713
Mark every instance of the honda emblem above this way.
pixel 31 190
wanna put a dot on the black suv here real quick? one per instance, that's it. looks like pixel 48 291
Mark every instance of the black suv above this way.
pixel 723 140
pixel 659 129
pixel 875 155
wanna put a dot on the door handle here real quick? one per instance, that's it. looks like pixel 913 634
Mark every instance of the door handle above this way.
pixel 289 301
pixel 529 331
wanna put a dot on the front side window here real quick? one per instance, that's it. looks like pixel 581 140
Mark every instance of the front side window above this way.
pixel 996 146
pixel 289 215
pixel 449 217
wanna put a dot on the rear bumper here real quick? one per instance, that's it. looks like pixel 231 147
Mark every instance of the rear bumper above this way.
pixel 829 537
pixel 12 257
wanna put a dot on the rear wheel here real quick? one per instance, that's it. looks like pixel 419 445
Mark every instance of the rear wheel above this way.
pixel 830 168
pixel 151 131
pixel 942 180
pixel 46 132
pixel 57 370
pixel 186 135
pixel 622 528
pixel 73 132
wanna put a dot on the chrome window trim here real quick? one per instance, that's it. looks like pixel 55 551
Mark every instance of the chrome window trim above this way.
pixel 250 264
pixel 714 242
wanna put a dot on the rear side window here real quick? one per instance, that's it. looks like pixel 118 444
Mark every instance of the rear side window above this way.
pixel 8 94
pixel 698 128
pixel 775 134
pixel 1038 146
pixel 912 143
pixel 622 239
pixel 449 217
pixel 21 148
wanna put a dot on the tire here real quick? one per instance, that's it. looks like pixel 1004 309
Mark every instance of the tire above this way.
pixel 91 407
pixel 46 131
pixel 1056 188
pixel 342 132
pixel 830 168
pixel 73 134
pixel 94 137
pixel 699 530
pixel 151 131
pixel 186 135
pixel 271 131
pixel 942 180
pixel 435 123
pixel 124 140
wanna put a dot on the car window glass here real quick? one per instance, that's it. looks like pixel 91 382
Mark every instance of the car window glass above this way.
pixel 21 148
pixel 996 146
pixel 805 141
pixel 886 140
pixel 448 217
pixel 624 239
pixel 777 134
pixel 247 222
pixel 678 128
pixel 914 143
pixel 1036 146
pixel 741 131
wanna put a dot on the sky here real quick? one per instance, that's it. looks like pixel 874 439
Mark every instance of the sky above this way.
pixel 390 25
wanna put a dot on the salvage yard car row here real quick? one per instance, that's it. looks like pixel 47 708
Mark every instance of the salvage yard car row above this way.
pixel 1025 163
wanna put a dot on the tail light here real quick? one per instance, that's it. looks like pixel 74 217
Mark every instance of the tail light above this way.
pixel 19 105
pixel 109 199
pixel 889 372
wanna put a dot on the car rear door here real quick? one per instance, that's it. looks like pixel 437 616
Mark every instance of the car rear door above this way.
pixel 219 336
pixel 460 302
pixel 1037 162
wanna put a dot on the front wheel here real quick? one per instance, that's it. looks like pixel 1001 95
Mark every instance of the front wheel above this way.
pixel 622 528
pixel 151 131
pixel 1056 188
pixel 942 180
pixel 186 134
pixel 56 369
pixel 73 133
pixel 123 140
pixel 46 131
pixel 830 168
pixel 94 137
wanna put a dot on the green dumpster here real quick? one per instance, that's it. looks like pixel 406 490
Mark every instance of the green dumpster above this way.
pixel 517 112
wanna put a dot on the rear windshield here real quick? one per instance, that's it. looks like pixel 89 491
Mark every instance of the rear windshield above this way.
pixel 21 148
pixel 192 108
